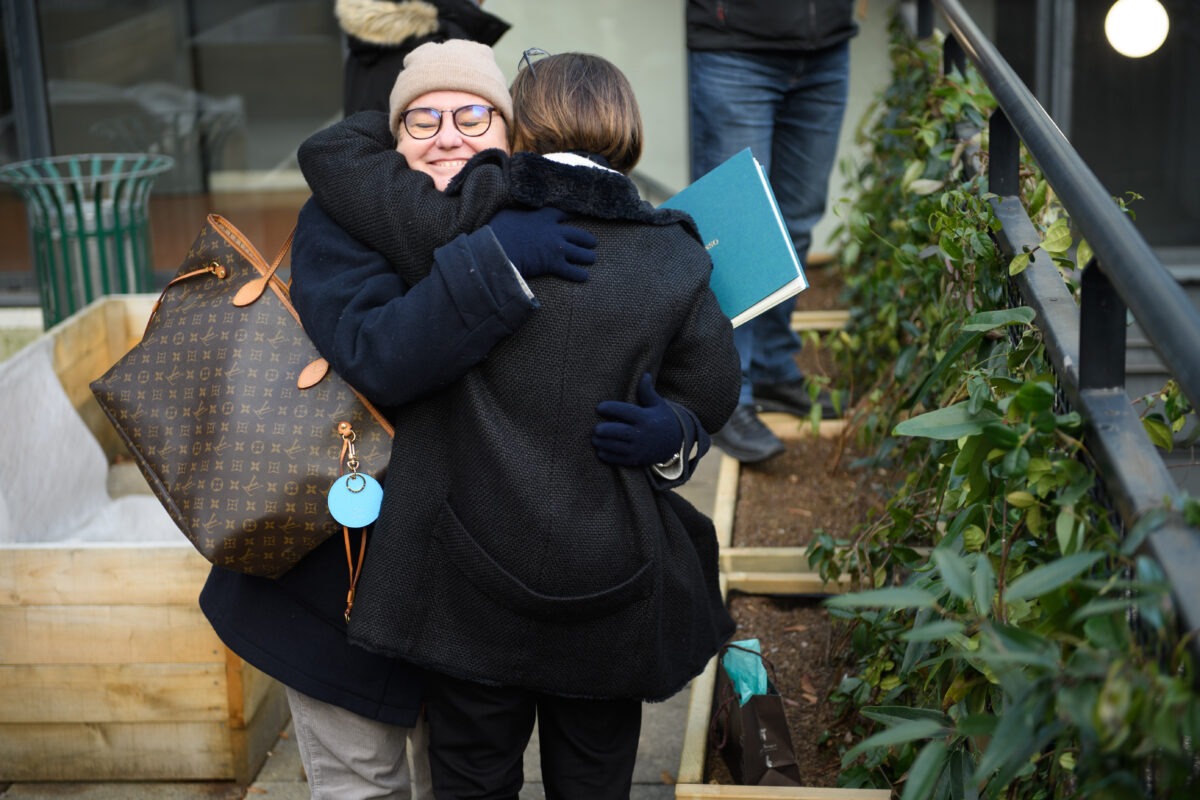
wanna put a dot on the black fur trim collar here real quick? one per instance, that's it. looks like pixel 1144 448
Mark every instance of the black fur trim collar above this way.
pixel 537 182
pixel 586 191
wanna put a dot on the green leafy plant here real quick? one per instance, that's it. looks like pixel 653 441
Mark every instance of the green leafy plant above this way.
pixel 1009 641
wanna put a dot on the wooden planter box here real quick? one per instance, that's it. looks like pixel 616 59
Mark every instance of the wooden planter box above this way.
pixel 108 669
pixel 767 570
pixel 752 570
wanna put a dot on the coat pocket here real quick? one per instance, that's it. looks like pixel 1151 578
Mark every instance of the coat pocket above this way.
pixel 506 589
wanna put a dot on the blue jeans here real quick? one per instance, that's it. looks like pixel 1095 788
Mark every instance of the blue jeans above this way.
pixel 788 109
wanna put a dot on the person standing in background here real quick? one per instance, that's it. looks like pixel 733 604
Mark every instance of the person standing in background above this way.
pixel 771 75
pixel 380 33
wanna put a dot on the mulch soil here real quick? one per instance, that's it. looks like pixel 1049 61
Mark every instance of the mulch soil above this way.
pixel 815 486
pixel 818 484
pixel 823 292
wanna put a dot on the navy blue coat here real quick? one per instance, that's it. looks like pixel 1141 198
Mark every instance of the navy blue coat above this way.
pixel 293 628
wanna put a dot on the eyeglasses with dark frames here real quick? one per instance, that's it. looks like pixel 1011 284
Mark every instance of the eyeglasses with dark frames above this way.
pixel 529 56
pixel 424 123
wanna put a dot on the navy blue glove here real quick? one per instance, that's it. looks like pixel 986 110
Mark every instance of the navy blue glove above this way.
pixel 538 243
pixel 638 435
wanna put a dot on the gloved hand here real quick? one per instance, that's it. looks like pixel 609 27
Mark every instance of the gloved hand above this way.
pixel 538 243
pixel 638 435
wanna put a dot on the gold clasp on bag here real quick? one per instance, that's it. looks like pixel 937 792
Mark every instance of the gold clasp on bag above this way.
pixel 211 268
pixel 348 438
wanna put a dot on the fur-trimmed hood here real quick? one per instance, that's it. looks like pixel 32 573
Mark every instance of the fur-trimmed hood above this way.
pixel 395 23
pixel 385 22
pixel 379 34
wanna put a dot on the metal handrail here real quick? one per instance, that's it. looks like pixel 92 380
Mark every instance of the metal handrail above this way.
pixel 1086 343
pixel 1171 323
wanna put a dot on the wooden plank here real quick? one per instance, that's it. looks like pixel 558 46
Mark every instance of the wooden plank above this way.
pixel 784 583
pixel 787 426
pixel 250 745
pixel 100 333
pixel 820 320
pixel 101 574
pixel 115 751
pixel 137 313
pixel 106 635
pixel 234 691
pixel 695 732
pixel 112 693
pixel 87 344
pixel 700 791
pixel 84 346
pixel 116 325
pixel 765 559
pixel 258 689
pixel 778 559
pixel 725 502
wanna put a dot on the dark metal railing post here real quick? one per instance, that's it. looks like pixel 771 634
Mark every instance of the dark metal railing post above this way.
pixel 21 36
pixel 924 18
pixel 1004 156
pixel 953 56
pixel 1101 332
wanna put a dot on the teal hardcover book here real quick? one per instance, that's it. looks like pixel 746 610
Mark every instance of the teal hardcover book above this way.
pixel 754 262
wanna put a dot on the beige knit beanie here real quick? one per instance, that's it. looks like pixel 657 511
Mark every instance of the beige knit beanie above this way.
pixel 457 65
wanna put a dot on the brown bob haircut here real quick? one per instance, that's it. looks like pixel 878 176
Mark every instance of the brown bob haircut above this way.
pixel 577 101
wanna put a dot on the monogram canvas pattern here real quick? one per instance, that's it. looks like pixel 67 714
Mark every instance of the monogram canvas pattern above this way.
pixel 208 404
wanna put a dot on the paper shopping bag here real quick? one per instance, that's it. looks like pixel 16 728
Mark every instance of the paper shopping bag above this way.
pixel 750 730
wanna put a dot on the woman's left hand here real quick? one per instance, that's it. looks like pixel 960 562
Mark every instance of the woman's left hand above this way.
pixel 638 434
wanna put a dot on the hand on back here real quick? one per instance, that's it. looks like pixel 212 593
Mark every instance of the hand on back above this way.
pixel 538 243
pixel 638 434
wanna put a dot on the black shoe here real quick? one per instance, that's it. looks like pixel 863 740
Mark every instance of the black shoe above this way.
pixel 791 397
pixel 746 438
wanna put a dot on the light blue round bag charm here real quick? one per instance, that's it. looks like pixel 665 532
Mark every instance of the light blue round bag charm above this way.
pixel 354 498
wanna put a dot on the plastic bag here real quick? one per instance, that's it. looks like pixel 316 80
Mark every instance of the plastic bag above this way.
pixel 744 665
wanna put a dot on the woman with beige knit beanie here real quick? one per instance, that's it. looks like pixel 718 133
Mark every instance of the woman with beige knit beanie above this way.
pixel 356 714
pixel 529 554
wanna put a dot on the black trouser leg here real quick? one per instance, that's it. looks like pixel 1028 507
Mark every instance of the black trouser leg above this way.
pixel 589 747
pixel 478 735
pixel 477 738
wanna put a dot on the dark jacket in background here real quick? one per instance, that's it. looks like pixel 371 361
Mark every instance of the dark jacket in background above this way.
pixel 506 551
pixel 380 33
pixel 769 25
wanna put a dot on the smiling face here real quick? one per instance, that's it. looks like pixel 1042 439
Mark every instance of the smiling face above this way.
pixel 444 154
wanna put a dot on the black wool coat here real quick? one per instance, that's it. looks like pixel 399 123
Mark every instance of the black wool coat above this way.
pixel 506 552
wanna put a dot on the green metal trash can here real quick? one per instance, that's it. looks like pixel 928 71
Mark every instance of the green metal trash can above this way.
pixel 89 225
